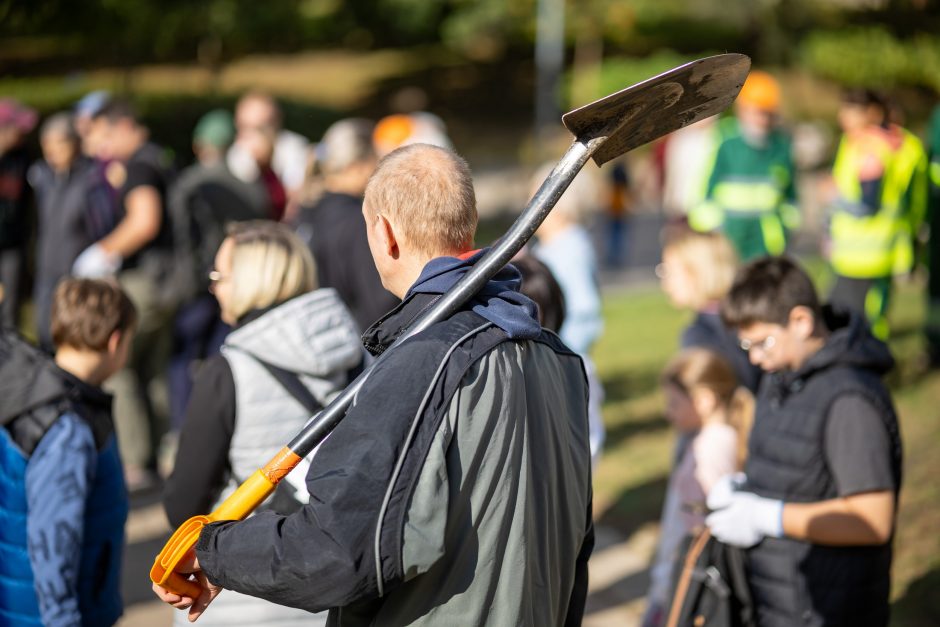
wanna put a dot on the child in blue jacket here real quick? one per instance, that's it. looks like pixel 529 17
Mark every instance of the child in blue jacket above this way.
pixel 63 503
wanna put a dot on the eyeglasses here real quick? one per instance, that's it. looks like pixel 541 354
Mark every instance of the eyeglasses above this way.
pixel 764 345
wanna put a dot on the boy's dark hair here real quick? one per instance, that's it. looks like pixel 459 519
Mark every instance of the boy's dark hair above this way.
pixel 767 290
pixel 85 312
pixel 539 284
pixel 116 110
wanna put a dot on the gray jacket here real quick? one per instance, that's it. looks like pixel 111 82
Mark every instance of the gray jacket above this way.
pixel 314 336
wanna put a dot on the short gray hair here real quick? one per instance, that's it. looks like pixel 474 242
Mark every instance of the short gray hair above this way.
pixel 345 143
pixel 428 192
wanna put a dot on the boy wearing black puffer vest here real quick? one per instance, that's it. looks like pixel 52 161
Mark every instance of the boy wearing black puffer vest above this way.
pixel 816 507
pixel 63 503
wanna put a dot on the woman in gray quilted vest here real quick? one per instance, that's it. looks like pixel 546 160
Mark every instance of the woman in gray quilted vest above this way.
pixel 292 349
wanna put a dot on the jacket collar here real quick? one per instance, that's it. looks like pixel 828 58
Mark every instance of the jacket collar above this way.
pixel 499 301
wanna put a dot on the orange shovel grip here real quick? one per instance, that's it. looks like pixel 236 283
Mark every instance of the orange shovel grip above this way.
pixel 237 506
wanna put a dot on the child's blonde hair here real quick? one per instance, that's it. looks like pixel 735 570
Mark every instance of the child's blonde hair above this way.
pixel 270 265
pixel 701 368
pixel 708 257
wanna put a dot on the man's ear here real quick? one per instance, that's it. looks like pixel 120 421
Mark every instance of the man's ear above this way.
pixel 802 321
pixel 386 233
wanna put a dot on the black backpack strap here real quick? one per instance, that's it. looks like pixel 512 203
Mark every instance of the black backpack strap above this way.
pixel 294 386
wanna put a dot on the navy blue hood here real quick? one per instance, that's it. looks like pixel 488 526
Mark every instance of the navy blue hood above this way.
pixel 500 300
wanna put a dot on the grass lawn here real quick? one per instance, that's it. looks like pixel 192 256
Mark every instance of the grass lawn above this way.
pixel 641 334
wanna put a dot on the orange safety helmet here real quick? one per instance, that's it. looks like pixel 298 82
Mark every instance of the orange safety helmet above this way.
pixel 762 91
pixel 391 132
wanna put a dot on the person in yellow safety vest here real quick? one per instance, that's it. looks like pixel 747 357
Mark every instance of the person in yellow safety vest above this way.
pixel 751 193
pixel 880 180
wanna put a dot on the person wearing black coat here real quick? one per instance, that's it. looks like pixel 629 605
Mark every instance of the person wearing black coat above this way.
pixel 75 206
pixel 333 227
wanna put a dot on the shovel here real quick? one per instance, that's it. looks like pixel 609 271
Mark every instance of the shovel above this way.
pixel 603 130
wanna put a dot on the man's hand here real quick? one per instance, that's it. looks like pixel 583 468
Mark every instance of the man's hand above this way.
pixel 95 263
pixel 189 564
pixel 746 520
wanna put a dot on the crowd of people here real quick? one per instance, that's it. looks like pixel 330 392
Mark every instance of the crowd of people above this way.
pixel 781 505
pixel 225 304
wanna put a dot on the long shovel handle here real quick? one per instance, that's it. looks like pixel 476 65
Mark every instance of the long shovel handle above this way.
pixel 237 506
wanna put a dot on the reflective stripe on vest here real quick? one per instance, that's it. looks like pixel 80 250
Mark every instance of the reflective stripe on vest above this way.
pixel 747 197
pixel 864 247
pixel 775 238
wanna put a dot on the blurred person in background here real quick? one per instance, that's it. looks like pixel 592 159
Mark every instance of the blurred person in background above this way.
pixel 16 122
pixel 565 246
pixel 696 272
pixel 933 245
pixel 202 202
pixel 75 210
pixel 619 208
pixel 539 284
pixel 139 250
pixel 258 113
pixel 260 144
pixel 64 502
pixel 751 191
pixel 91 142
pixel 816 508
pixel 880 200
pixel 403 129
pixel 705 403
pixel 85 111
pixel 332 225
pixel 687 163
pixel 293 348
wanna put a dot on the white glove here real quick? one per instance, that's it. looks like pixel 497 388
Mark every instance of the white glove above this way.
pixel 95 263
pixel 719 497
pixel 747 520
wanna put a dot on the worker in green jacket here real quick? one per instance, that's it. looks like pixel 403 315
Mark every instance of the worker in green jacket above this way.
pixel 751 193
pixel 880 180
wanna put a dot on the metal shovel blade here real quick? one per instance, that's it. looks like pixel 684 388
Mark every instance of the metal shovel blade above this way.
pixel 646 111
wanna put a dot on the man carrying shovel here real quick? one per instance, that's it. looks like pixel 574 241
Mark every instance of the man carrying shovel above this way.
pixel 457 489
pixel 455 485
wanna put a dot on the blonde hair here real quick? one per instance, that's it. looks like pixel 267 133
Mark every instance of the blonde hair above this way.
pixel 701 368
pixel 709 259
pixel 428 193
pixel 270 265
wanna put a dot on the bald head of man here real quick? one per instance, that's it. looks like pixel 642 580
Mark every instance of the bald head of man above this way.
pixel 419 204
